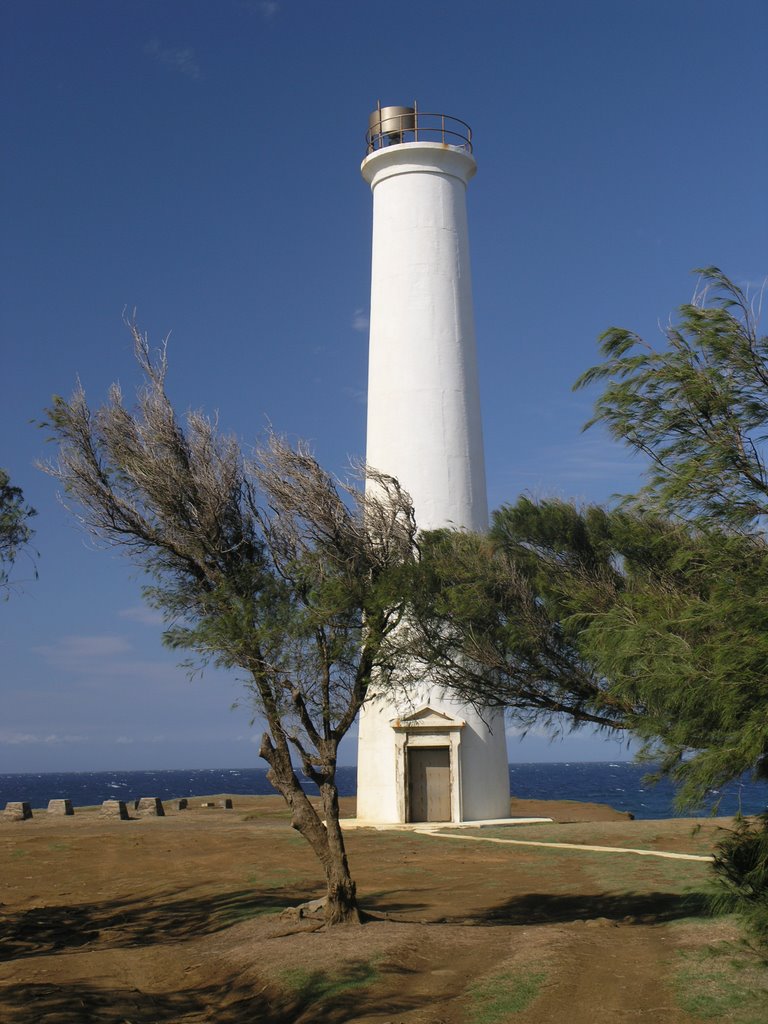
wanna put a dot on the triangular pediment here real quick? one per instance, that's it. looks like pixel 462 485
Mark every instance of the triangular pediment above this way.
pixel 427 717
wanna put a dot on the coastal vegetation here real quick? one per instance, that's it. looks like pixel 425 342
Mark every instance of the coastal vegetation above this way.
pixel 15 529
pixel 264 564
pixel 649 617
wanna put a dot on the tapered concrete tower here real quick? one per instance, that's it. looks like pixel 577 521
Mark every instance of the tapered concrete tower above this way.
pixel 427 758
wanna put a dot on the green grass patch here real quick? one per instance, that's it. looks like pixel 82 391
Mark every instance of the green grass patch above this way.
pixel 498 995
pixel 314 986
pixel 621 872
pixel 645 835
pixel 724 983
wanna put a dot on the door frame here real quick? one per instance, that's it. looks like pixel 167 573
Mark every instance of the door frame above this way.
pixel 412 749
pixel 427 727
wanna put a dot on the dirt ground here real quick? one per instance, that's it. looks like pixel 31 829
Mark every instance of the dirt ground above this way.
pixel 177 919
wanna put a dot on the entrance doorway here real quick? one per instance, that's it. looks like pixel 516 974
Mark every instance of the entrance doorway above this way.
pixel 429 784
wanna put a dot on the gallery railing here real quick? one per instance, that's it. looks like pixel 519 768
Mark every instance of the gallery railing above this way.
pixel 391 126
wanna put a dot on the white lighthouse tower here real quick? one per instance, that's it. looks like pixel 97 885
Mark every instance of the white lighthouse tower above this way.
pixel 427 758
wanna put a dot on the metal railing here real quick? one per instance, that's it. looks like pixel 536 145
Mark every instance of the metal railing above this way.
pixel 391 126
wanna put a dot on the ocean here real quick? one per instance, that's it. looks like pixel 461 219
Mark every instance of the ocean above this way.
pixel 619 784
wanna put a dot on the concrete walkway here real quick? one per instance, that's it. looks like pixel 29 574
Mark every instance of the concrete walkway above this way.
pixel 428 827
pixel 563 846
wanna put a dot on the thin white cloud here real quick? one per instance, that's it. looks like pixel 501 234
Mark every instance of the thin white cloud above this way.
pixel 266 9
pixel 96 658
pixel 357 395
pixel 360 321
pixel 540 731
pixel 587 468
pixel 27 738
pixel 593 457
pixel 76 651
pixel 181 59
pixel 124 740
pixel 146 616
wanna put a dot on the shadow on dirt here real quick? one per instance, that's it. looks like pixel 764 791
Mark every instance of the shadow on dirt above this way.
pixel 85 1004
pixel 386 901
pixel 118 923
pixel 633 908
pixel 547 908
pixel 320 997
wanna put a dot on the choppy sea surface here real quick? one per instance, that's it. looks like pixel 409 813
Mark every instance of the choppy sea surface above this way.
pixel 619 784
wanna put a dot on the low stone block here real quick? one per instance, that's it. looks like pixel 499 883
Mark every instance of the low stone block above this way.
pixel 227 804
pixel 150 807
pixel 17 810
pixel 115 809
pixel 60 807
pixel 182 804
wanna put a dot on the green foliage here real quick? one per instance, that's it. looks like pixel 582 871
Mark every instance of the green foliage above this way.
pixel 505 992
pixel 670 617
pixel 741 867
pixel 689 644
pixel 15 531
pixel 480 627
pixel 265 564
pixel 651 618
pixel 698 408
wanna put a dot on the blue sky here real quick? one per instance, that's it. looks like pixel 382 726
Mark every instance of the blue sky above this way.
pixel 199 162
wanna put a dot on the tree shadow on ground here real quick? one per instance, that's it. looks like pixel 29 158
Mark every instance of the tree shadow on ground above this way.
pixel 320 998
pixel 384 901
pixel 635 908
pixel 165 917
pixel 87 1004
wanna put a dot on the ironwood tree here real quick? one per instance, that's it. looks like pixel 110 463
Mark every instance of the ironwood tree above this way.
pixel 650 618
pixel 265 564
pixel 15 529
pixel 696 406
pixel 484 628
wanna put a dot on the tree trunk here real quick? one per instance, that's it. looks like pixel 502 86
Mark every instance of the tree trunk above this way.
pixel 326 841
pixel 341 905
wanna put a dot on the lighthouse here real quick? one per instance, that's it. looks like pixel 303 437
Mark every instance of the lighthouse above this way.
pixel 426 756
